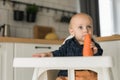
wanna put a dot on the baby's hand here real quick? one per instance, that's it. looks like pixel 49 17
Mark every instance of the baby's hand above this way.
pixel 39 55
pixel 94 48
pixel 49 54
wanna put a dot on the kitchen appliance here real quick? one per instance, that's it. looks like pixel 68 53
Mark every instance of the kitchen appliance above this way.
pixel 5 30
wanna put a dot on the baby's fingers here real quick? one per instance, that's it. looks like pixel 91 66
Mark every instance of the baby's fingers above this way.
pixel 95 50
pixel 92 45
pixel 37 55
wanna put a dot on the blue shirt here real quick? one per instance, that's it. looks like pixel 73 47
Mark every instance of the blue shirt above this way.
pixel 72 48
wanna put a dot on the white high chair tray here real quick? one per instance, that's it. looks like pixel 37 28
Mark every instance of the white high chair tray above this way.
pixel 64 62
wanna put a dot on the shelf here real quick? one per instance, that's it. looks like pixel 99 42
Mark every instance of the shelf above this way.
pixel 44 7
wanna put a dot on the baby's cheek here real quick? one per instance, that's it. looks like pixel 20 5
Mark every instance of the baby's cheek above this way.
pixel 82 38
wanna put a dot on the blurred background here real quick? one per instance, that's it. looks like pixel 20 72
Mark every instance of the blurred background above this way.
pixel 56 14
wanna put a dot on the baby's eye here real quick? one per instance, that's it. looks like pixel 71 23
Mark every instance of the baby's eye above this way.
pixel 89 26
pixel 80 27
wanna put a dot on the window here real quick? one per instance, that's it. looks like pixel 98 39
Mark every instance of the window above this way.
pixel 106 17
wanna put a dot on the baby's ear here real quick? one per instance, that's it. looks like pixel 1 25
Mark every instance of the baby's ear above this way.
pixel 71 31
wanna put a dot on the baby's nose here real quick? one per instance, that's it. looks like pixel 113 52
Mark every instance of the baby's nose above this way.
pixel 86 30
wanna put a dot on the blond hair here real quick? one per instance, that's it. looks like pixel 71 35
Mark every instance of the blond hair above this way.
pixel 78 15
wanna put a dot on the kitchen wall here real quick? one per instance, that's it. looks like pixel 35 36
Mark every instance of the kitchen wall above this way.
pixel 24 29
pixel 46 18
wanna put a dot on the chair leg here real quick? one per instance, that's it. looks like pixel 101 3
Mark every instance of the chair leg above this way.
pixel 35 74
pixel 106 74
pixel 71 74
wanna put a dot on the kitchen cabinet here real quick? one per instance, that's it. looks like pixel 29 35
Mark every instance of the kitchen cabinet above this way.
pixel 112 48
pixel 0 62
pixel 8 51
pixel 26 50
pixel 118 62
pixel 6 60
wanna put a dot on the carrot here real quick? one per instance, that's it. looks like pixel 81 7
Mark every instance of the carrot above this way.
pixel 87 50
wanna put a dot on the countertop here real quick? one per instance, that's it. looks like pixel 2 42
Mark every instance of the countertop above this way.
pixel 43 41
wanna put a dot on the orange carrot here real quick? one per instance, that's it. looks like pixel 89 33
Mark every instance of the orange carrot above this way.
pixel 87 50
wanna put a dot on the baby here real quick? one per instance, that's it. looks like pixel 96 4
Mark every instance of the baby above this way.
pixel 80 25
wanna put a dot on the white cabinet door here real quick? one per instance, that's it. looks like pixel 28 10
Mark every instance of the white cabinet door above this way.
pixel 112 48
pixel 118 62
pixel 1 61
pixel 26 50
pixel 6 61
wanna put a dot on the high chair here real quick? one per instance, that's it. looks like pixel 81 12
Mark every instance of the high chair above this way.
pixel 100 64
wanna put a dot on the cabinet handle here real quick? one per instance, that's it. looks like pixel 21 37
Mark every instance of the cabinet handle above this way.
pixel 37 47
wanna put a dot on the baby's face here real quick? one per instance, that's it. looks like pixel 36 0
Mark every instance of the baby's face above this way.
pixel 80 26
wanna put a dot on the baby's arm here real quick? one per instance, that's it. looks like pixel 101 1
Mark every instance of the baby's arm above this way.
pixel 46 54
